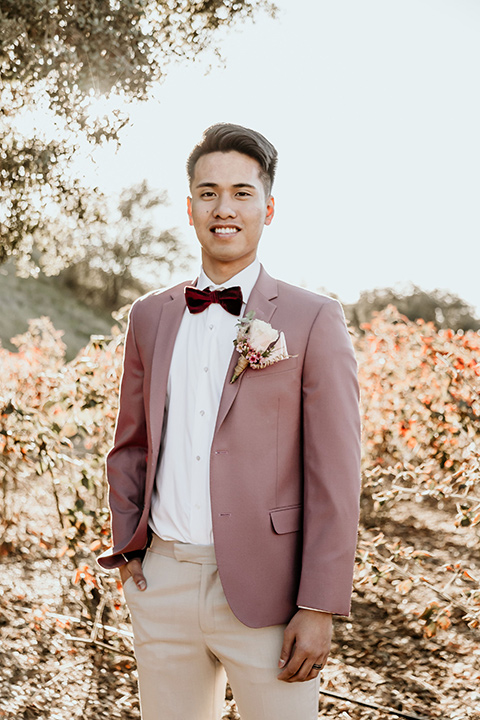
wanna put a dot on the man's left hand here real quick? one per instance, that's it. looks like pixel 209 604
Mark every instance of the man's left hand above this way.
pixel 306 642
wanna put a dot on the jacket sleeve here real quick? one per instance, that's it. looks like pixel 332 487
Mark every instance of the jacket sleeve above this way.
pixel 331 452
pixel 127 460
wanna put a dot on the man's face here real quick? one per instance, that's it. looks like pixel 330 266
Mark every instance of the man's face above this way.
pixel 228 209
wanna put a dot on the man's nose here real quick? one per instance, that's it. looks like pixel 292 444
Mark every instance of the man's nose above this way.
pixel 224 207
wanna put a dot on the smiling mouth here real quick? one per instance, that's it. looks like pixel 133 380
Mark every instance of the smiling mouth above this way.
pixel 229 230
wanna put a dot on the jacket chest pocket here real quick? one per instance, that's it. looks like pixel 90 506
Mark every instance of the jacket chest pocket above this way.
pixel 282 366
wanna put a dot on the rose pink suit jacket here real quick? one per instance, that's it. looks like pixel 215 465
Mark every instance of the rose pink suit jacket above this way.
pixel 285 456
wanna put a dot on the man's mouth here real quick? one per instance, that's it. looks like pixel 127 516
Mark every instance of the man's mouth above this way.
pixel 228 230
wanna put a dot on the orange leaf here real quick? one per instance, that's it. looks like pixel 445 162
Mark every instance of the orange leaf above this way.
pixel 405 586
pixel 443 622
pixel 430 630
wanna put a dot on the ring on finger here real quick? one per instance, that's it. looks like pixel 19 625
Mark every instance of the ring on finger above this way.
pixel 317 667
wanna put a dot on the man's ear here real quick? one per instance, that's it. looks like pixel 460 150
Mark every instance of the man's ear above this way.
pixel 189 210
pixel 270 210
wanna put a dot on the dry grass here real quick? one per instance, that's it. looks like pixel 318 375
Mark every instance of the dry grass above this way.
pixel 25 298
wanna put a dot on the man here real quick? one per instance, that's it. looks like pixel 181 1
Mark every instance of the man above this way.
pixel 245 492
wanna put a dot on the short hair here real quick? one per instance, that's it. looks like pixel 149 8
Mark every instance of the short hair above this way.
pixel 225 137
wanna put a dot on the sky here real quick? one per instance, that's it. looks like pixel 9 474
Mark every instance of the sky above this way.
pixel 374 107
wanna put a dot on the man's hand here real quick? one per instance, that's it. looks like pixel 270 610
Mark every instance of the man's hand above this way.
pixel 134 568
pixel 306 642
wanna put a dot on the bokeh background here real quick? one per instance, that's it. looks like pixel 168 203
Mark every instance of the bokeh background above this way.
pixel 374 108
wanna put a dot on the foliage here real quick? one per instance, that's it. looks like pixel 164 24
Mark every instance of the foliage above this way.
pixel 127 248
pixel 56 422
pixel 421 419
pixel 56 59
pixel 444 309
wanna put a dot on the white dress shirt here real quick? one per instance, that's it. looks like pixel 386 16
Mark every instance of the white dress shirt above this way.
pixel 203 348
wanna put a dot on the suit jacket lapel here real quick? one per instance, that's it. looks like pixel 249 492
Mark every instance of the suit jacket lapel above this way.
pixel 170 319
pixel 264 290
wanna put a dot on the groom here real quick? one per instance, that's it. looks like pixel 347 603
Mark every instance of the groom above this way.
pixel 234 504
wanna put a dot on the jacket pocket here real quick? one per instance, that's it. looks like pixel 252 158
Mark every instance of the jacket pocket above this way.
pixel 286 520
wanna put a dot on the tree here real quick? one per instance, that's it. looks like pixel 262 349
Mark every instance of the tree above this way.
pixel 127 252
pixel 56 57
pixel 444 309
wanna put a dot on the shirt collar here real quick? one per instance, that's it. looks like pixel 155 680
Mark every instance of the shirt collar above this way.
pixel 246 278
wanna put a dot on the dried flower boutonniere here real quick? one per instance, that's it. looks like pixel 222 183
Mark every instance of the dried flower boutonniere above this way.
pixel 259 345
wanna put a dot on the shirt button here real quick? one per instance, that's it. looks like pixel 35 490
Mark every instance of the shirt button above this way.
pixel 202 412
pixel 205 369
pixel 198 457
pixel 211 327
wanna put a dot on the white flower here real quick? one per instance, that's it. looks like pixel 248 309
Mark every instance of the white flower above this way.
pixel 261 335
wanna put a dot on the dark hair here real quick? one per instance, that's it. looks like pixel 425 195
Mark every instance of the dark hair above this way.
pixel 225 137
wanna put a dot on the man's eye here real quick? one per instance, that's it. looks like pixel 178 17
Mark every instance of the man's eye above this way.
pixel 243 193
pixel 208 193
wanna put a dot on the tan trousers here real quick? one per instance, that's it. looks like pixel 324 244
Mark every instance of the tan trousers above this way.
pixel 186 637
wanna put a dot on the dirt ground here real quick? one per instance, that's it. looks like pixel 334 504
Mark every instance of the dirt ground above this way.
pixel 54 665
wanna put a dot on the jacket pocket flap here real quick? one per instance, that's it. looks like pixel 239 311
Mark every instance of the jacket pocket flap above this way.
pixel 286 520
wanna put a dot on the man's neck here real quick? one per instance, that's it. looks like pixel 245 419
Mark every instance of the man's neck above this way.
pixel 220 273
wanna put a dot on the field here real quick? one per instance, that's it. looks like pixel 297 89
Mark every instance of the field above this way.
pixel 46 296
pixel 411 647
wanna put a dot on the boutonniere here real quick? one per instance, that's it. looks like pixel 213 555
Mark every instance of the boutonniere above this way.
pixel 259 345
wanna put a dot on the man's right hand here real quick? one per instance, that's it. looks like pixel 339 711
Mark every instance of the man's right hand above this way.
pixel 134 569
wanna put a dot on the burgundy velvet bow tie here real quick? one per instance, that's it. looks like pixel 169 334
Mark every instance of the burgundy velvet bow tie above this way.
pixel 198 300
